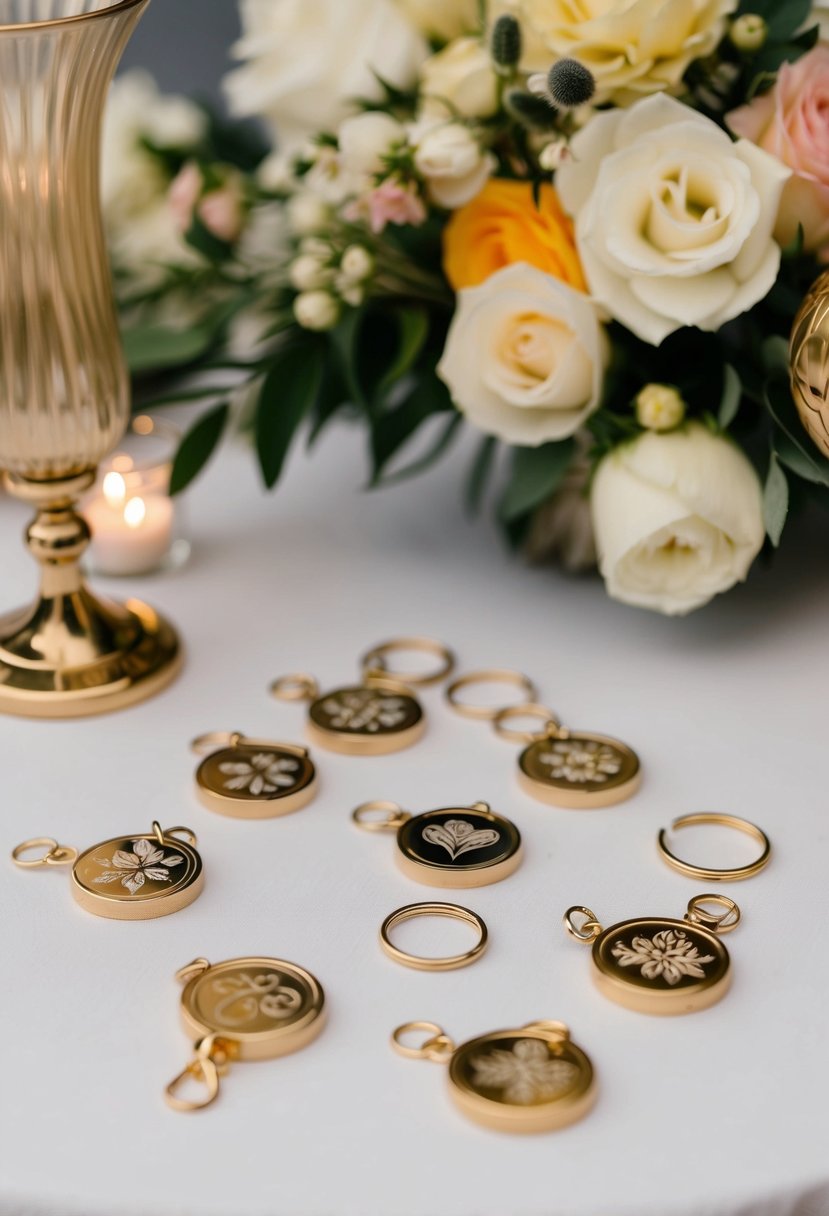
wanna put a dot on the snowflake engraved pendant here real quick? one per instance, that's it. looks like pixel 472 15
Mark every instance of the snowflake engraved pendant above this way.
pixel 532 1079
pixel 370 719
pixel 579 770
pixel 255 779
pixel 659 965
pixel 465 846
pixel 243 1009
pixel 139 877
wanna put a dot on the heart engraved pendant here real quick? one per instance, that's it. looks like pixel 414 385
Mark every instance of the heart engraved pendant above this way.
pixel 242 1009
pixel 659 965
pixel 457 847
pixel 532 1079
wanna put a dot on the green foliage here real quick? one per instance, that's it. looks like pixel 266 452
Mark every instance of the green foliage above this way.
pixel 731 397
pixel 155 348
pixel 289 393
pixel 479 473
pixel 535 474
pixel 775 501
pixel 197 447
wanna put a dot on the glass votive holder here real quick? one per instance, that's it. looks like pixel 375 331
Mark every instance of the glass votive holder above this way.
pixel 136 525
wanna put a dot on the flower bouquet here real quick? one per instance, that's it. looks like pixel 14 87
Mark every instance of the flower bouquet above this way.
pixel 582 230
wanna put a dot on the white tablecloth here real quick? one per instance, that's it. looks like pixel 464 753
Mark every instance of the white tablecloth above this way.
pixel 714 1114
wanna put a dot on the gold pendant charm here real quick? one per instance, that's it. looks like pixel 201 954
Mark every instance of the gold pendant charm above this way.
pixel 577 770
pixel 242 1009
pixel 533 1079
pixel 458 846
pixel 129 877
pixel 657 965
pixel 379 715
pixel 252 778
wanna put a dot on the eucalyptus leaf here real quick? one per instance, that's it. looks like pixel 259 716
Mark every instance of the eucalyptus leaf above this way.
pixel 775 501
pixel 197 447
pixel 155 348
pixel 392 430
pixel 780 405
pixel 536 475
pixel 289 392
pixel 479 473
pixel 731 397
pixel 413 323
pixel 445 437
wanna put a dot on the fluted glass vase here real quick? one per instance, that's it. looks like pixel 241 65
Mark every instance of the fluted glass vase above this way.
pixel 64 399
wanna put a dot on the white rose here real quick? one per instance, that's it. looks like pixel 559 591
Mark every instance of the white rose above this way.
pixel 632 47
pixel 674 222
pixel 459 80
pixel 524 357
pixel 306 60
pixel 141 229
pixel 678 518
pixel 442 19
pixel 365 139
pixel 452 161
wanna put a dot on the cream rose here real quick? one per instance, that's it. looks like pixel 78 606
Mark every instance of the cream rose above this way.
pixel 304 61
pixel 678 518
pixel 792 122
pixel 459 80
pixel 444 19
pixel 524 357
pixel 632 47
pixel 674 222
pixel 450 158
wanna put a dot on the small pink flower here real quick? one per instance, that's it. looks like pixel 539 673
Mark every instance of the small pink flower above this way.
pixel 184 194
pixel 791 122
pixel 222 214
pixel 392 202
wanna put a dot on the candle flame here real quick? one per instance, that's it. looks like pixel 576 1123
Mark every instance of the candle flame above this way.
pixel 115 489
pixel 134 513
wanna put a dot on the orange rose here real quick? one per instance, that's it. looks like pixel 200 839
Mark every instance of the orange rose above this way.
pixel 502 226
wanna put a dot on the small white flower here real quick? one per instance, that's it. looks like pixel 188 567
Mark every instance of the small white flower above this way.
pixel 264 773
pixel 308 213
pixel 316 310
pixel 581 760
pixel 132 869
pixel 350 292
pixel 366 140
pixel 749 32
pixel 308 273
pixel 450 158
pixel 554 154
pixel 524 1075
pixel 365 709
pixel 356 263
pixel 659 407
pixel 668 955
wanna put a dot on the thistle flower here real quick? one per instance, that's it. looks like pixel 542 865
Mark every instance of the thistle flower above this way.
pixel 567 86
pixel 532 111
pixel 506 44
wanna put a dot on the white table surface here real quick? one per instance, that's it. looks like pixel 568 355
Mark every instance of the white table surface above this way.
pixel 722 1112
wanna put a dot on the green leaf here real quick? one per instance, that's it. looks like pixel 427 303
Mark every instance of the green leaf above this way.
pixel 393 429
pixel 731 397
pixel 794 460
pixel 288 393
pixel 413 323
pixel 332 395
pixel 345 338
pixel 479 473
pixel 784 19
pixel 536 475
pixel 210 246
pixel 443 441
pixel 778 397
pixel 197 447
pixel 154 348
pixel 775 501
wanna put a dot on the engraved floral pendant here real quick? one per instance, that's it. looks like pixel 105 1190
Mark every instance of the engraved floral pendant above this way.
pixel 468 846
pixel 579 770
pixel 253 778
pixel 659 965
pixel 243 1009
pixel 139 877
pixel 374 718
pixel 532 1079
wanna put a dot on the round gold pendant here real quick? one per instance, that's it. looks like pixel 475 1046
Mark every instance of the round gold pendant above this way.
pixel 139 877
pixel 266 1006
pixel 253 779
pixel 532 1079
pixel 660 965
pixel 579 771
pixel 465 846
pixel 369 719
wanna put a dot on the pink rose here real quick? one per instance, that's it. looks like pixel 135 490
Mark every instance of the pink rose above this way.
pixel 792 122
pixel 220 210
pixel 392 202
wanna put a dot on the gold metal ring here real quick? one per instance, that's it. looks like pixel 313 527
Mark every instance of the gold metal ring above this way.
pixel 298 686
pixel 588 930
pixel 374 665
pixel 55 855
pixel 492 675
pixel 697 915
pixel 437 1047
pixel 203 745
pixel 728 821
pixel 552 724
pixel 450 962
pixel 395 816
pixel 185 833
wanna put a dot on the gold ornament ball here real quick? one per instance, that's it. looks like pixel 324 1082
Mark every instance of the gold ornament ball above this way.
pixel 809 363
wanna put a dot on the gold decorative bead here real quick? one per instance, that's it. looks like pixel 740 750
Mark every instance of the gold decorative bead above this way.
pixel 809 362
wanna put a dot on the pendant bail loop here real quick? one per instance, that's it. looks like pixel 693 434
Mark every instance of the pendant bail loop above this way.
pixel 588 930
pixel 394 816
pixel 438 1047
pixel 204 744
pixel 208 1063
pixel 297 686
pixel 55 854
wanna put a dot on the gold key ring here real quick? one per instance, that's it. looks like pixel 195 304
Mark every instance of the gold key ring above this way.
pixel 550 729
pixel 734 874
pixel 447 963
pixel 374 665
pixel 55 855
pixel 492 675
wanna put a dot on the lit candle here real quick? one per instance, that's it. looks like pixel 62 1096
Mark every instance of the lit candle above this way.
pixel 130 535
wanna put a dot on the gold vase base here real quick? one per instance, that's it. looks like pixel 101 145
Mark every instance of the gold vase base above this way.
pixel 109 656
